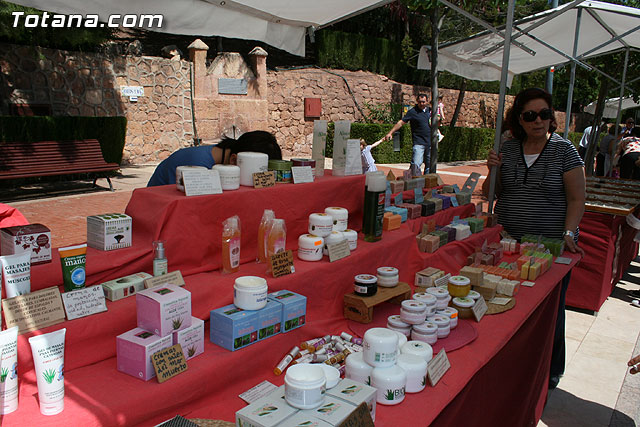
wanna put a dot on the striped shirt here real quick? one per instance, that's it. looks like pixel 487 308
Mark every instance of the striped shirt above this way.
pixel 532 199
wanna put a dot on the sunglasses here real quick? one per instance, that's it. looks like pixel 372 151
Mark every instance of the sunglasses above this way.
pixel 531 116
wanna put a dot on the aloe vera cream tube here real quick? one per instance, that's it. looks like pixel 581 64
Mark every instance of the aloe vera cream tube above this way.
pixel 16 270
pixel 73 259
pixel 9 370
pixel 48 358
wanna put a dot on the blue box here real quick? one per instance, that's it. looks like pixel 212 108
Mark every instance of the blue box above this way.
pixel 294 309
pixel 233 328
pixel 269 320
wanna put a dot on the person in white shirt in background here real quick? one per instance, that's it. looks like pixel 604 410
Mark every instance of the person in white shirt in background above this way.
pixel 368 162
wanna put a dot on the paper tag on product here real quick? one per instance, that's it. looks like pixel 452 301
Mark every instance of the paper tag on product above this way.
pixel 169 362
pixel 387 197
pixel 418 196
pixel 302 174
pixel 338 250
pixel 282 263
pixel 500 300
pixel 563 260
pixel 479 208
pixel 257 392
pixel 84 302
pixel 173 278
pixel 406 175
pixel 528 284
pixel 442 281
pixel 33 311
pixel 318 145
pixel 198 182
pixel 341 133
pixel 391 176
pixel 360 417
pixel 398 199
pixel 456 189
pixel 437 367
pixel 264 179
pixel 454 201
pixel 479 309
pixel 353 158
pixel 434 192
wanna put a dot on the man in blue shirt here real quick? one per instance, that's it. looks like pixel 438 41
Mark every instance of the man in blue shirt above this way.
pixel 419 118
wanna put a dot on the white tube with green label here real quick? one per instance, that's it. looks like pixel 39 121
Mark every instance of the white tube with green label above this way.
pixel 48 358
pixel 9 370
pixel 16 270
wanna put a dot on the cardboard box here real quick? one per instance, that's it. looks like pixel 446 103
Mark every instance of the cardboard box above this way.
pixel 332 411
pixel 355 393
pixel 302 419
pixel 233 328
pixel 109 231
pixel 294 309
pixel 21 238
pixel 164 309
pixel 269 320
pixel 134 350
pixel 265 412
pixel 191 339
pixel 124 286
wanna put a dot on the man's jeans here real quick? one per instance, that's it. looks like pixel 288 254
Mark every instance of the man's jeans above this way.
pixel 422 154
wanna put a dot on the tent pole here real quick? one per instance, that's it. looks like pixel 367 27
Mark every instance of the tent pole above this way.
pixel 549 81
pixel 624 77
pixel 503 91
pixel 572 80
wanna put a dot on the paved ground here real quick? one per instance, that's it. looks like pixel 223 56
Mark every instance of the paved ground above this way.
pixel 596 389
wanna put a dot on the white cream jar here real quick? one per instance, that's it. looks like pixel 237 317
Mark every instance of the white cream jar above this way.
pixel 229 176
pixel 413 312
pixel 352 238
pixel 380 347
pixel 443 323
pixel 426 332
pixel 418 348
pixel 320 224
pixel 416 369
pixel 340 217
pixel 395 323
pixel 429 300
pixel 333 238
pixel 250 292
pixel 388 277
pixel 250 163
pixel 357 369
pixel 310 247
pixel 304 386
pixel 391 383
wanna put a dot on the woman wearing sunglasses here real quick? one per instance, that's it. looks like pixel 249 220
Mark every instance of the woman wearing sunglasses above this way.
pixel 540 188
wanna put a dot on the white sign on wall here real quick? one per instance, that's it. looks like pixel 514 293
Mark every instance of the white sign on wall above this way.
pixel 133 92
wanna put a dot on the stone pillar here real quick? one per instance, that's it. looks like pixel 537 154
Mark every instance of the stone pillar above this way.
pixel 259 64
pixel 198 57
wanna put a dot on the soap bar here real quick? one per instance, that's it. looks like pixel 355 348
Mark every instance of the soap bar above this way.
pixel 463 198
pixel 475 275
pixel 429 226
pixel 488 289
pixel 476 224
pixel 462 231
pixel 428 208
pixel 438 203
pixel 396 186
pixel 534 271
pixel 426 278
pixel 447 189
pixel 414 211
pixel 431 180
pixel 443 235
pixel 508 287
pixel 446 200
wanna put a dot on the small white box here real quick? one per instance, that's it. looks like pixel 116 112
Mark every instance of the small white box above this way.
pixel 305 420
pixel 355 393
pixel 332 411
pixel 21 238
pixel 125 286
pixel 191 339
pixel 107 232
pixel 268 411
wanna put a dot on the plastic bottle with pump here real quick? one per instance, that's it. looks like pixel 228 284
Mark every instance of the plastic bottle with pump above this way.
pixel 231 245
pixel 263 233
pixel 160 264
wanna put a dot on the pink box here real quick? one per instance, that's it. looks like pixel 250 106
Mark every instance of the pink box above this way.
pixel 134 350
pixel 164 309
pixel 191 339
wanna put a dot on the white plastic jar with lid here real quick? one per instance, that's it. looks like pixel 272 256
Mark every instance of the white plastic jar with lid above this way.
pixel 250 292
pixel 443 323
pixel 331 374
pixel 180 169
pixel 442 296
pixel 352 238
pixel 380 347
pixel 473 295
pixel 320 224
pixel 391 383
pixel 425 332
pixel 416 369
pixel 340 217
pixel 452 313
pixel 388 277
pixel 357 369
pixel 310 247
pixel 304 386
pixel 418 348
pixel 429 300
pixel 229 176
pixel 251 162
pixel 464 305
pixel 402 340
pixel 395 323
pixel 333 238
pixel 459 286
pixel 413 312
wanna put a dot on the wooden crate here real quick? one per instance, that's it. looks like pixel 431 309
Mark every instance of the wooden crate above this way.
pixel 360 309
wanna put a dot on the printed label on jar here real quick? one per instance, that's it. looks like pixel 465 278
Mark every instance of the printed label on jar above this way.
pixel 385 357
pixel 234 251
pixel 361 289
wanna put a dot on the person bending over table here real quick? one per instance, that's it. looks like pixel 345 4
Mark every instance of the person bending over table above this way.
pixel 225 152
pixel 540 189
pixel 629 152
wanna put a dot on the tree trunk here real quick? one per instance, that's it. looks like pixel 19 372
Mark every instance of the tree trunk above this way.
pixel 595 128
pixel 435 30
pixel 462 90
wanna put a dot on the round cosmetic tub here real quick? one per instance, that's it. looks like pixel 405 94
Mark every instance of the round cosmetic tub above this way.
pixel 229 176
pixel 426 332
pixel 331 374
pixel 340 217
pixel 429 300
pixel 452 313
pixel 442 296
pixel 418 348
pixel 352 238
pixel 416 369
pixel 250 163
pixel 413 312
pixel 391 383
pixel 250 292
pixel 463 305
pixel 395 323
pixel 459 286
pixel 474 295
pixel 402 339
pixel 387 277
pixel 282 168
pixel 310 247
pixel 380 347
pixel 357 369
pixel 304 386
pixel 332 239
pixel 305 162
pixel 320 224
pixel 179 180
pixel 365 285
pixel 443 323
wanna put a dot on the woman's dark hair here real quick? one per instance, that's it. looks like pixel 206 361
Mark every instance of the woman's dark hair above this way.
pixel 512 119
pixel 257 140
pixel 635 132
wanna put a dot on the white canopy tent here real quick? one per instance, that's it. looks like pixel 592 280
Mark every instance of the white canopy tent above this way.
pixel 279 23
pixel 611 106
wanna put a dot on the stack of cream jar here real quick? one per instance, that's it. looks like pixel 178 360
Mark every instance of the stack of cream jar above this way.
pixel 325 229
pixel 391 364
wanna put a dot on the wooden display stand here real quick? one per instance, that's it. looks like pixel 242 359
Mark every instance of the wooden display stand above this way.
pixel 360 309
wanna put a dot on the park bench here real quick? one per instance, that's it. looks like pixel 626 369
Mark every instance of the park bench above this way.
pixel 48 158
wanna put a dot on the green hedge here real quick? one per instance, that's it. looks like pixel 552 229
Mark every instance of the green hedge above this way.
pixel 110 131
